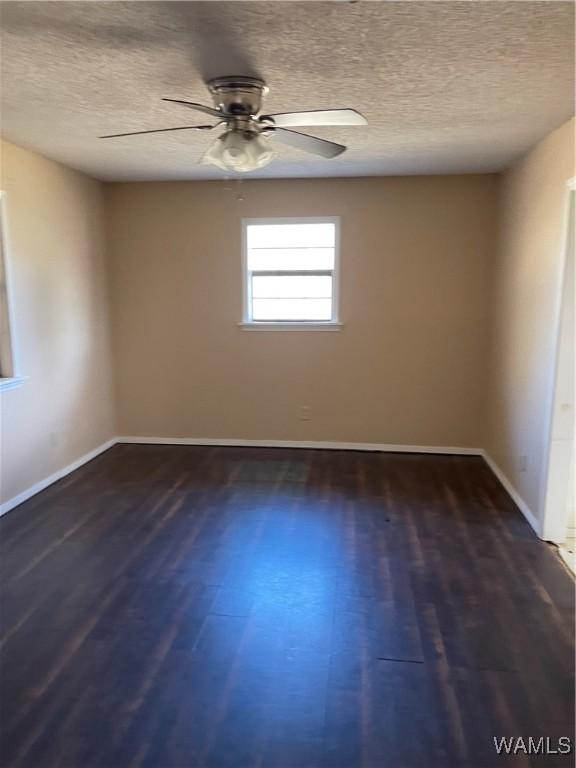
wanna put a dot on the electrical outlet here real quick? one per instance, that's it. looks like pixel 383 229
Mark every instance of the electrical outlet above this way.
pixel 305 413
pixel 53 439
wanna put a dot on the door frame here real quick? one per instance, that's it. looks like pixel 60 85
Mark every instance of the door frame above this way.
pixel 559 454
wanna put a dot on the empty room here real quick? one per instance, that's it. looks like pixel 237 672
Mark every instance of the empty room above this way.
pixel 287 384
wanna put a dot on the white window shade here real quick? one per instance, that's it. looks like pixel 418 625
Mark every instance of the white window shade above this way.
pixel 298 235
pixel 291 286
pixel 287 310
pixel 282 259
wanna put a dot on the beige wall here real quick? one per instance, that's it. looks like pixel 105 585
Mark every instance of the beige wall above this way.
pixel 526 280
pixel 59 293
pixel 409 367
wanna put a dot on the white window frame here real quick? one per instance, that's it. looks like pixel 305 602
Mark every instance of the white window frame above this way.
pixel 9 370
pixel 334 323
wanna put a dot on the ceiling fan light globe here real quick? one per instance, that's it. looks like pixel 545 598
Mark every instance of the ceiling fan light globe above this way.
pixel 239 152
pixel 259 152
pixel 233 153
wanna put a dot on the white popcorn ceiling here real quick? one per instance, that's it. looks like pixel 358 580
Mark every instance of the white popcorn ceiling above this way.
pixel 447 87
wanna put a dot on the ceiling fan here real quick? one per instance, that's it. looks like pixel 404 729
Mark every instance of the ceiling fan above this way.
pixel 245 143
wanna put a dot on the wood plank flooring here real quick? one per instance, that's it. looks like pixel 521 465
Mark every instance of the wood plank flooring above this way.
pixel 189 607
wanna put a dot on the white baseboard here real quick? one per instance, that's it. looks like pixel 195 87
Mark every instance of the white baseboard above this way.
pixel 58 475
pixel 513 493
pixel 314 444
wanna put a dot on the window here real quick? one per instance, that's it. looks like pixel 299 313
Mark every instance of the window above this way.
pixel 8 368
pixel 291 273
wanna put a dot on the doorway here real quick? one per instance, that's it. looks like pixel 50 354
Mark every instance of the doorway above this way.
pixel 559 507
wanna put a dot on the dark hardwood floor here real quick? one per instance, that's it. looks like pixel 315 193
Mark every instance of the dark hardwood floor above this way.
pixel 181 607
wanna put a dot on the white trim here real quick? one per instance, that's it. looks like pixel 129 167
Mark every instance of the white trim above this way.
pixel 58 475
pixel 11 382
pixel 295 326
pixel 513 493
pixel 314 444
pixel 246 284
pixel 550 491
pixel 336 272
pixel 11 366
pixel 247 323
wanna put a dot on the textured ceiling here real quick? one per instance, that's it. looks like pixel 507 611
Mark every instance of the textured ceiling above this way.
pixel 447 87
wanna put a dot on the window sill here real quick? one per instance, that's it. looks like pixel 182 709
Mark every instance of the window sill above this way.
pixel 11 382
pixel 296 326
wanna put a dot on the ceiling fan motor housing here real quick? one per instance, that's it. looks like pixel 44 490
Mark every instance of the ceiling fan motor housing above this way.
pixel 238 96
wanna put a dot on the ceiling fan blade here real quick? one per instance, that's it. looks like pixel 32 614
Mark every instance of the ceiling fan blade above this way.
pixel 317 117
pixel 197 107
pixel 308 143
pixel 160 130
